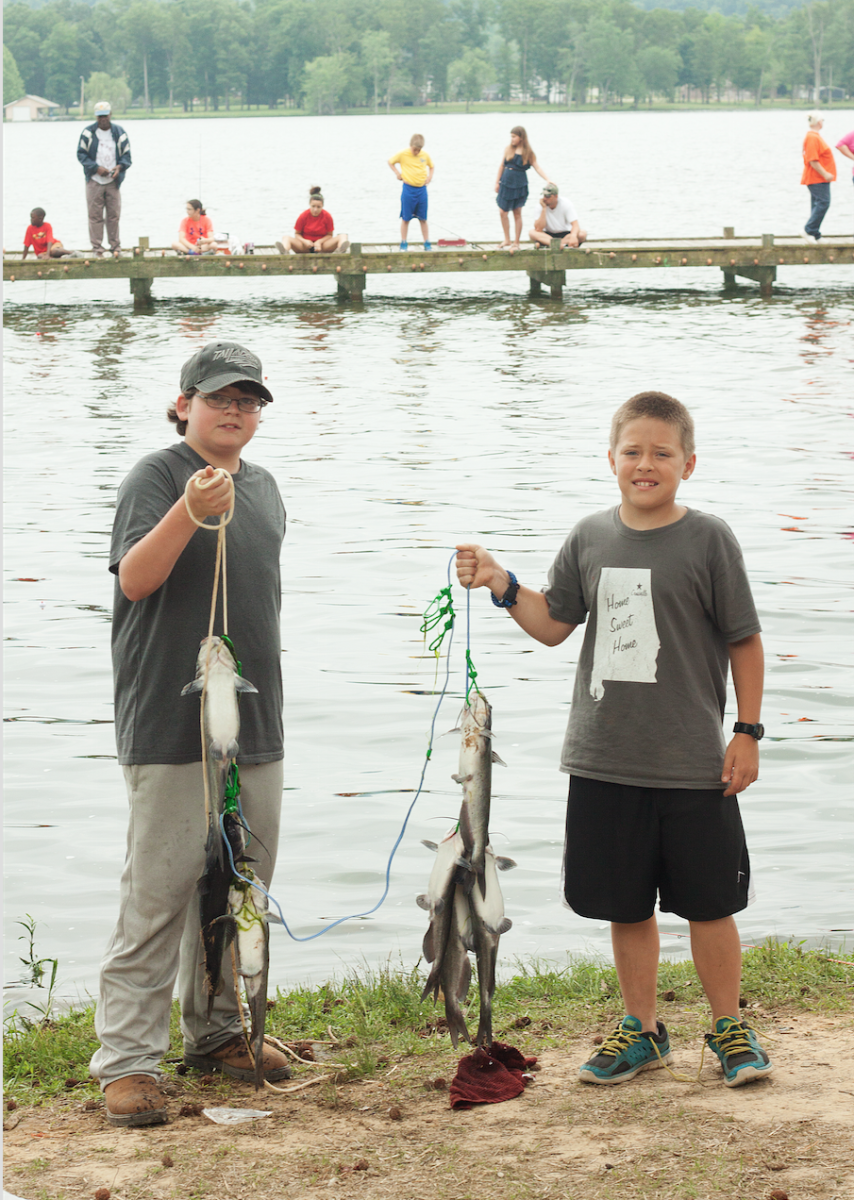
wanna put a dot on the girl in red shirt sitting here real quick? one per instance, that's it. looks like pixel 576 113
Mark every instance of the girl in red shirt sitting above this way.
pixel 196 234
pixel 313 231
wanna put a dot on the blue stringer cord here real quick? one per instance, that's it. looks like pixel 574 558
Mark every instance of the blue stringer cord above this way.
pixel 353 916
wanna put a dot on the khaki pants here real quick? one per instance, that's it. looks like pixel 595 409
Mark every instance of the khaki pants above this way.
pixel 157 938
pixel 101 198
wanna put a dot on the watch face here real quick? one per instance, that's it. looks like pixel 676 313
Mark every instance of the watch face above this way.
pixel 760 732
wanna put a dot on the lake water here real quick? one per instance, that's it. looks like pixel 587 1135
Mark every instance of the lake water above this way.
pixel 462 411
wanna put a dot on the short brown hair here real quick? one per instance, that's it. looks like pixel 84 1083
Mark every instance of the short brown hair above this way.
pixel 660 407
pixel 416 142
pixel 172 410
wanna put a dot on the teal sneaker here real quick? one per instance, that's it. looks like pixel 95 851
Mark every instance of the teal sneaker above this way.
pixel 737 1046
pixel 626 1052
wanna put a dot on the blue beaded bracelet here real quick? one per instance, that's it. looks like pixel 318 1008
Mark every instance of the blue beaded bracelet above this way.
pixel 509 597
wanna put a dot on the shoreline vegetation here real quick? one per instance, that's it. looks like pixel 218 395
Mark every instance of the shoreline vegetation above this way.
pixel 369 1112
pixel 380 1013
pixel 336 56
pixel 531 110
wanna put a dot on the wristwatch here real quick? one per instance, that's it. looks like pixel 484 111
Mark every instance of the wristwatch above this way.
pixel 755 731
pixel 509 597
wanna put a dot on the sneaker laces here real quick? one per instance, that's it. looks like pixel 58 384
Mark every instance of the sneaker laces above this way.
pixel 732 1040
pixel 618 1041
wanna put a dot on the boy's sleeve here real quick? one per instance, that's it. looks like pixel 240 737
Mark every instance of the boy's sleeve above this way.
pixel 731 604
pixel 144 499
pixel 28 236
pixel 428 159
pixel 565 593
pixel 396 158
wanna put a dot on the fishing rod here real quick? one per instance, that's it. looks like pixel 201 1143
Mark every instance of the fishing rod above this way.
pixel 471 675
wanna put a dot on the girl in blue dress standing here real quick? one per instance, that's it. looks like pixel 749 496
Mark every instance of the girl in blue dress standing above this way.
pixel 512 183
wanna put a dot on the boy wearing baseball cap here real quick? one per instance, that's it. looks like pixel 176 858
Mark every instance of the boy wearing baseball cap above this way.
pixel 557 219
pixel 164 567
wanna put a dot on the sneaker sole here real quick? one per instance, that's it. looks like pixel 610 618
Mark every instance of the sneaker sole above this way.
pixel 652 1065
pixel 747 1073
pixel 155 1116
pixel 204 1062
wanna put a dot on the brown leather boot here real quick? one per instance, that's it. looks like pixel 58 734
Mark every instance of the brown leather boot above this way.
pixel 233 1059
pixel 135 1100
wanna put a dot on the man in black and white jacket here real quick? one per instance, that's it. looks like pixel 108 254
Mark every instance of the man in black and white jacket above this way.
pixel 104 152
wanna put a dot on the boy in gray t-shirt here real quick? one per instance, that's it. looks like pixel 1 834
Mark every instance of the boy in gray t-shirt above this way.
pixel 652 812
pixel 164 567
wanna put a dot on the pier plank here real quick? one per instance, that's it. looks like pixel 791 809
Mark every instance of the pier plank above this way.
pixel 754 258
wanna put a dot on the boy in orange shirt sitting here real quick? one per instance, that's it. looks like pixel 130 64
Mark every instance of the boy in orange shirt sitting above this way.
pixel 39 237
pixel 819 173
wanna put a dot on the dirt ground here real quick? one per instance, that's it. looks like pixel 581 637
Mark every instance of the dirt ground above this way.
pixel 790 1135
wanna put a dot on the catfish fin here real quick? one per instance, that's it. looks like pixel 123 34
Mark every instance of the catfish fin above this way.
pixel 498 759
pixel 505 864
pixel 243 685
pixel 430 845
pixel 195 686
pixel 423 902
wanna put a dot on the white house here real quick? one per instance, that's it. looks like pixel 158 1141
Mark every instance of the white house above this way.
pixel 29 108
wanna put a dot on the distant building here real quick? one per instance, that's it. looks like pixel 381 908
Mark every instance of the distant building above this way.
pixel 29 108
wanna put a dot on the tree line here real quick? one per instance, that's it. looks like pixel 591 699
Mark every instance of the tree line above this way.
pixel 327 56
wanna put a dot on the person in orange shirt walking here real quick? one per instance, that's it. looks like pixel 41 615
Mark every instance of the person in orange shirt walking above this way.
pixel 819 173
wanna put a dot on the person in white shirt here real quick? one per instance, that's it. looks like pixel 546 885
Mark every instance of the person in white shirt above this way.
pixel 104 153
pixel 557 218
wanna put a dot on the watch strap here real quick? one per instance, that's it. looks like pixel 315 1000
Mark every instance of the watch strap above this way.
pixel 509 597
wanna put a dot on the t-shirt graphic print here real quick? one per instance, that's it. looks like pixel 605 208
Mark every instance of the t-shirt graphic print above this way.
pixel 627 641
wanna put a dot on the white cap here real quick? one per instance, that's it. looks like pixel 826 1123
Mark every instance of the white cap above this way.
pixel 815 117
pixel 102 108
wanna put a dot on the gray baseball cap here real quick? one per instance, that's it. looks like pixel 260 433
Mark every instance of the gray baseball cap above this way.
pixel 549 190
pixel 221 363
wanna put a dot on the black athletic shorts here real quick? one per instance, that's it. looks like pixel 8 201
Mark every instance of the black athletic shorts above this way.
pixel 625 846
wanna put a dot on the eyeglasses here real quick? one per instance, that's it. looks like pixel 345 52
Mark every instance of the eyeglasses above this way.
pixel 247 404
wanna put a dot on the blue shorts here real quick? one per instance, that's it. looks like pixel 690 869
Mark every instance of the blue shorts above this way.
pixel 413 203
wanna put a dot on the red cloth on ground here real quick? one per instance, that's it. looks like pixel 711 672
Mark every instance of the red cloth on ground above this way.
pixel 489 1076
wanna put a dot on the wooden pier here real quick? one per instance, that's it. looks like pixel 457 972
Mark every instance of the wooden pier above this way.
pixel 753 258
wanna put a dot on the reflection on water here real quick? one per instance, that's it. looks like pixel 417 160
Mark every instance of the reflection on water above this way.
pixel 400 427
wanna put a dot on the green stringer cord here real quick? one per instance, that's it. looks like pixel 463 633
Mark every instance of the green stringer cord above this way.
pixel 231 801
pixel 440 608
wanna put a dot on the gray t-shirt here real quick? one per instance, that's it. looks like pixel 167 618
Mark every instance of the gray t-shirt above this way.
pixel 156 640
pixel 650 689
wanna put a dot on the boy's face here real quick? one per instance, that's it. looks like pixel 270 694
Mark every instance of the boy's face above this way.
pixel 36 219
pixel 218 434
pixel 650 463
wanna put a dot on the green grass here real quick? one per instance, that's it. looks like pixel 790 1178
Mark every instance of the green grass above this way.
pixel 379 1017
pixel 452 108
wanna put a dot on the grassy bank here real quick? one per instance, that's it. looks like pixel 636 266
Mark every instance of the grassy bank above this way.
pixel 450 109
pixel 380 1017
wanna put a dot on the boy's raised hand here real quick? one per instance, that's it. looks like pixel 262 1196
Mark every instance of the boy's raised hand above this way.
pixel 741 764
pixel 210 493
pixel 477 568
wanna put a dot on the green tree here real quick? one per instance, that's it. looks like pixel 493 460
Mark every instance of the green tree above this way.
pixel 469 75
pixel 101 86
pixel 13 84
pixel 22 33
pixel 659 69
pixel 325 82
pixel 610 58
pixel 378 57
pixel 142 27
pixel 59 55
pixel 232 40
